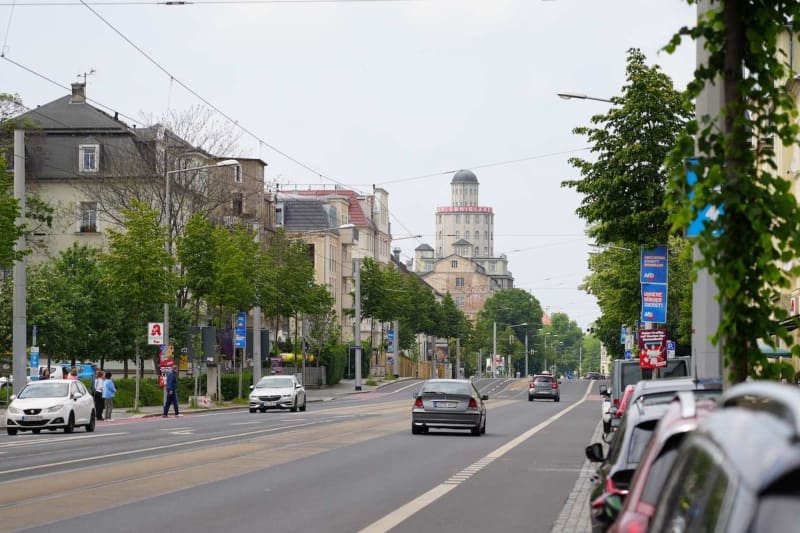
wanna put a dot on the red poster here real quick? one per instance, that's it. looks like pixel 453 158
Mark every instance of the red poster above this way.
pixel 653 348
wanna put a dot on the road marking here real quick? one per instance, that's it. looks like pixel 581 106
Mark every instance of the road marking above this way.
pixel 415 384
pixel 33 442
pixel 153 448
pixel 175 429
pixel 396 517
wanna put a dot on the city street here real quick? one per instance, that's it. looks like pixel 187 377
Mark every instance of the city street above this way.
pixel 346 465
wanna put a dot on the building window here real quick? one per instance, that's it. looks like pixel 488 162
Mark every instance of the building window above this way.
pixel 492 266
pixel 459 301
pixel 466 219
pixel 466 235
pixel 279 215
pixel 459 282
pixel 237 173
pixel 458 218
pixel 238 203
pixel 454 264
pixel 486 251
pixel 88 217
pixel 458 235
pixel 89 157
pixel 477 235
pixel 486 235
pixel 477 251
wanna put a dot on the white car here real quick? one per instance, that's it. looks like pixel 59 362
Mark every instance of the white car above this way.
pixel 277 392
pixel 52 404
pixel 606 408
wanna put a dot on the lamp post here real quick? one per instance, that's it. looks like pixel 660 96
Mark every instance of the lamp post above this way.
pixel 526 345
pixel 167 202
pixel 581 96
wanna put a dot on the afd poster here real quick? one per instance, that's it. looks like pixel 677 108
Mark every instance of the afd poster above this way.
pixel 654 303
pixel 652 348
pixel 654 265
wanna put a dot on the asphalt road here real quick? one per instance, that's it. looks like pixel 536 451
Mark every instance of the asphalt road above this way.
pixel 344 466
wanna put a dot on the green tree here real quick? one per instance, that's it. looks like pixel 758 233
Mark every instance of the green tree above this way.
pixel 196 256
pixel 623 189
pixel 139 270
pixel 744 250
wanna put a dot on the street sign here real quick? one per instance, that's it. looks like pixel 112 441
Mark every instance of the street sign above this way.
pixel 628 354
pixel 390 335
pixel 35 362
pixel 622 332
pixel 670 349
pixel 155 333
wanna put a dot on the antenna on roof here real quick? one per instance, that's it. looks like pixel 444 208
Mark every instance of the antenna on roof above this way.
pixel 87 74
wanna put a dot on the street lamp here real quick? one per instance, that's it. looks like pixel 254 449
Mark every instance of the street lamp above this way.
pixel 167 202
pixel 526 345
pixel 581 96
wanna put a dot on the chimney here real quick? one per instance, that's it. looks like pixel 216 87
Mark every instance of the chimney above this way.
pixel 396 253
pixel 78 93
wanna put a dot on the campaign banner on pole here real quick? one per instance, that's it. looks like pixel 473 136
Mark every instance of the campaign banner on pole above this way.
pixel 652 348
pixel 654 265
pixel 240 334
pixel 654 303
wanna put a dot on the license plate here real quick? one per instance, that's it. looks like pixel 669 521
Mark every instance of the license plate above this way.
pixel 31 418
pixel 269 404
pixel 446 405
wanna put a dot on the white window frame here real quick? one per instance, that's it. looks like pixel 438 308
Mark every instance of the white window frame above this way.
pixel 87 217
pixel 82 152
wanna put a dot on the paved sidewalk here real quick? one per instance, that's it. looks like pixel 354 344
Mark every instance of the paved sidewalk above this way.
pixel 342 389
pixel 574 517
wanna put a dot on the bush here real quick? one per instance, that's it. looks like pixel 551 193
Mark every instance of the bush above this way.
pixel 334 358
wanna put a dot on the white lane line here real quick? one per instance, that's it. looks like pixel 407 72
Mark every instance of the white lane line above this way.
pixel 252 422
pixel 33 442
pixel 175 429
pixel 415 384
pixel 394 518
pixel 153 448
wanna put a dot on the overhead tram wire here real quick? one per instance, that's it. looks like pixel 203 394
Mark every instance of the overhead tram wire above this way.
pixel 128 3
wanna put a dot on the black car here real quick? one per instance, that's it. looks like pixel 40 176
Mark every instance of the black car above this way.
pixel 617 469
pixel 739 470
pixel 449 404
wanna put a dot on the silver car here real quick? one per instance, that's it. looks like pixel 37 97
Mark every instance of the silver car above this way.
pixel 449 404
pixel 277 392
pixel 52 404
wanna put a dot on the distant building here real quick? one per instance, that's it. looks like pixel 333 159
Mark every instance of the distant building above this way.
pixel 463 261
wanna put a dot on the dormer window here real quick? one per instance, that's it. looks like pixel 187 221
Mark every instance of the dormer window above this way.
pixel 89 157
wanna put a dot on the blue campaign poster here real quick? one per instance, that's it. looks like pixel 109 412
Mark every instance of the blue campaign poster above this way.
pixel 654 303
pixel 240 335
pixel 654 265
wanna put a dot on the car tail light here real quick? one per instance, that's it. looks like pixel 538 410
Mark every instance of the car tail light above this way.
pixel 532 385
pixel 554 385
pixel 611 488
pixel 616 402
pixel 634 523
pixel 418 403
pixel 472 404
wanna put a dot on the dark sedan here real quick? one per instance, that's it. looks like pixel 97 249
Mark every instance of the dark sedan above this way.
pixel 449 404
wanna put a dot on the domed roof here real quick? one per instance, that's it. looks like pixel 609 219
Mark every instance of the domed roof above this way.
pixel 464 176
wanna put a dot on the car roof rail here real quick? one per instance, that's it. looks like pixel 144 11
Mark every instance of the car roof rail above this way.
pixel 779 399
pixel 688 404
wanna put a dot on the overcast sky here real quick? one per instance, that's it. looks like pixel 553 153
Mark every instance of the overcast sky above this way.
pixel 366 92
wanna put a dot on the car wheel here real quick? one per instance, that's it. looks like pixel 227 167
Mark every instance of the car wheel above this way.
pixel 70 427
pixel 415 430
pixel 253 410
pixel 530 398
pixel 606 427
pixel 483 428
pixel 558 398
pixel 36 431
pixel 264 410
pixel 90 426
pixel 11 431
pixel 303 407
pixel 476 431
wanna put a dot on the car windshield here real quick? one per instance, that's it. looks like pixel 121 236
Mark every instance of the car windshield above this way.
pixel 44 390
pixel 274 383
pixel 638 441
pixel 544 380
pixel 444 387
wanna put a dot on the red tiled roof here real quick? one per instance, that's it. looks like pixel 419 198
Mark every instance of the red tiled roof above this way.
pixel 357 216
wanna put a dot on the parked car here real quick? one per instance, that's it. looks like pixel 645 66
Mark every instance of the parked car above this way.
pixel 544 386
pixel 617 468
pixel 738 470
pixel 277 392
pixel 52 404
pixel 605 408
pixel 680 419
pixel 664 390
pixel 619 411
pixel 449 404
pixel 629 372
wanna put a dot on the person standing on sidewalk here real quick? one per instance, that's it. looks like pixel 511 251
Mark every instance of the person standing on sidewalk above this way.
pixel 172 392
pixel 97 392
pixel 109 391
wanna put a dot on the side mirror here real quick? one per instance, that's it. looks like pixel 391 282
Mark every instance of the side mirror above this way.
pixel 297 385
pixel 252 387
pixel 615 423
pixel 12 397
pixel 76 396
pixel 603 389
pixel 613 410
pixel 484 396
pixel 594 452
pixel 414 395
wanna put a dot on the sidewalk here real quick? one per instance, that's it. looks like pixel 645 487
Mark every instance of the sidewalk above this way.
pixel 344 388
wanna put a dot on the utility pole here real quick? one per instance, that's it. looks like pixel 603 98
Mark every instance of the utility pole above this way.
pixel 20 321
pixel 396 349
pixel 526 354
pixel 494 349
pixel 357 332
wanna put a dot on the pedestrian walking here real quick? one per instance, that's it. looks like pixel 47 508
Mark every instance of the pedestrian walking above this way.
pixel 97 392
pixel 172 392
pixel 73 374
pixel 109 391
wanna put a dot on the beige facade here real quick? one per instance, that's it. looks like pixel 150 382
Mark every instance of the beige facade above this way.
pixel 465 280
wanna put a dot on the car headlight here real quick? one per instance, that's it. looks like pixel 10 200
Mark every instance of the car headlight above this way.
pixel 253 397
pixel 55 408
pixel 286 395
pixel 15 410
